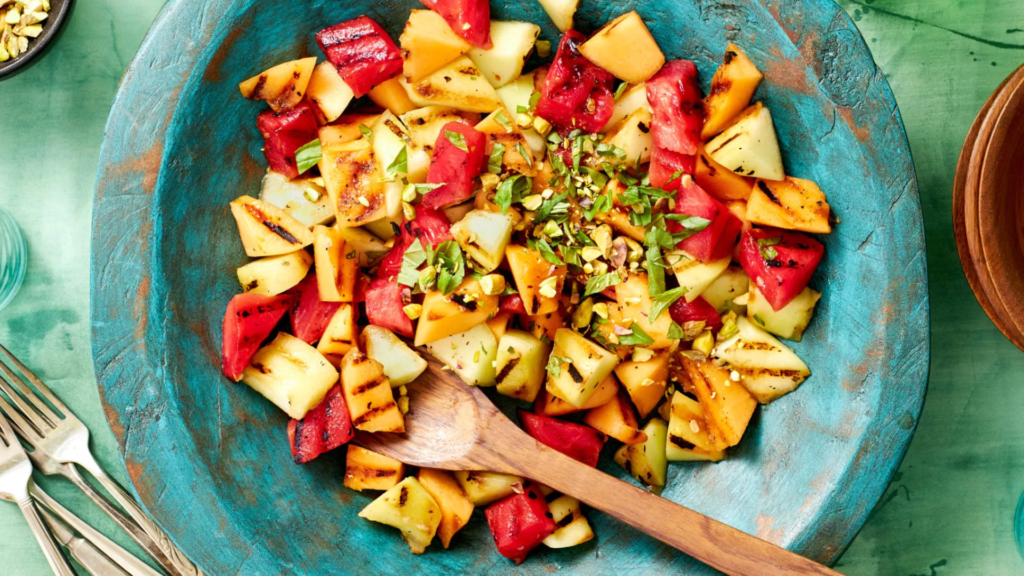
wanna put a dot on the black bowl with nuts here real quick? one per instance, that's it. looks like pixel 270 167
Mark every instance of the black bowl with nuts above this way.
pixel 27 28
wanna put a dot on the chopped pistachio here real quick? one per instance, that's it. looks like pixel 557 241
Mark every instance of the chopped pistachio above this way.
pixel 403 404
pixel 588 268
pixel 549 287
pixel 600 267
pixel 311 194
pixel 543 48
pixel 591 253
pixel 601 309
pixel 584 314
pixel 602 237
pixel 409 194
pixel 409 211
pixel 542 126
pixel 13 16
pixel 533 202
pixel 642 354
pixel 524 120
pixel 492 284
pixel 489 181
pixel 636 251
pixel 427 278
pixel 704 343
pixel 742 300
pixel 413 311
pixel 552 229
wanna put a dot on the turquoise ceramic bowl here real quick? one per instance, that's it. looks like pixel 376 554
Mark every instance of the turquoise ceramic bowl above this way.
pixel 210 459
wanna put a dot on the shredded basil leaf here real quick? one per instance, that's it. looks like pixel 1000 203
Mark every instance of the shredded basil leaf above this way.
pixel 675 331
pixel 494 161
pixel 400 163
pixel 663 301
pixel 547 253
pixel 534 98
pixel 601 282
pixel 457 140
pixel 621 90
pixel 448 258
pixel 503 120
pixel 308 155
pixel 365 131
pixel 412 259
pixel 511 191
pixel 522 152
pixel 637 338
pixel 554 366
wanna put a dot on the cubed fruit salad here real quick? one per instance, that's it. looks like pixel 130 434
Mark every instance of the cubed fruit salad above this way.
pixel 570 222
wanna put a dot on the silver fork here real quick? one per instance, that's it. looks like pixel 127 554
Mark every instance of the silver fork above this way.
pixel 62 444
pixel 15 476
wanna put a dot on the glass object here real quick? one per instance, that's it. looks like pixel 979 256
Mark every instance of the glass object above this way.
pixel 13 255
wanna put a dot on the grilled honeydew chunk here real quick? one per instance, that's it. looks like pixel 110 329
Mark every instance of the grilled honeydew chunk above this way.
pixel 291 374
pixel 693 274
pixel 470 354
pixel 573 527
pixel 749 145
pixel 767 367
pixel 520 365
pixel 275 274
pixel 401 364
pixel 512 44
pixel 484 235
pixel 582 366
pixel 410 508
pixel 460 85
pixel 266 230
pixel 302 199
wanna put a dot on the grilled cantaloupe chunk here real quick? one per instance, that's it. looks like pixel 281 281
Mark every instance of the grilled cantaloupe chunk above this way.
pixel 645 381
pixel 646 462
pixel 302 199
pixel 688 438
pixel 544 325
pixel 499 325
pixel 582 366
pixel 573 528
pixel 368 394
pixel 291 374
pixel 727 405
pixel 618 216
pixel 337 266
pixel 616 419
pixel 340 335
pixel 457 85
pixel 368 470
pixel 792 204
pixel 693 274
pixel 401 364
pixel 530 270
pixel 328 92
pixel 346 129
pixel 424 126
pixel 501 129
pixel 520 365
pixel 428 43
pixel 444 316
pixel 482 488
pixel 634 304
pixel 625 48
pixel 391 95
pixel 512 44
pixel 551 405
pixel 788 323
pixel 768 369
pixel 718 180
pixel 470 354
pixel 266 230
pixel 275 274
pixel 484 235
pixel 367 246
pixel 456 508
pixel 282 86
pixel 732 88
pixel 354 182
pixel 748 146
pixel 410 508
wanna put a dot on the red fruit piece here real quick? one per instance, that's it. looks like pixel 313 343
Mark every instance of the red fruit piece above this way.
pixel 519 523
pixel 696 311
pixel 576 441
pixel 715 241
pixel 431 226
pixel 665 164
pixel 385 300
pixel 458 159
pixel 323 429
pixel 512 304
pixel 576 92
pixel 675 98
pixel 391 264
pixel 780 263
pixel 284 133
pixel 362 52
pixel 248 321
pixel 470 19
pixel 310 315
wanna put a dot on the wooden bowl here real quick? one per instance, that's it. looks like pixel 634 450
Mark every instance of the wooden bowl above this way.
pixel 52 28
pixel 986 206
pixel 209 458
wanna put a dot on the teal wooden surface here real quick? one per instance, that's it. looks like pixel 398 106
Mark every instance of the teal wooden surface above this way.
pixel 948 511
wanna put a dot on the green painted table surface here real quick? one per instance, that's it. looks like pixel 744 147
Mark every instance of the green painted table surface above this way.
pixel 949 509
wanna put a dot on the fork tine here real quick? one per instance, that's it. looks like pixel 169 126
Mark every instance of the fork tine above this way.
pixel 40 421
pixel 6 432
pixel 43 389
pixel 17 421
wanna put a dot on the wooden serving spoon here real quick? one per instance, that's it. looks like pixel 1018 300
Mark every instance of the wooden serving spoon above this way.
pixel 453 426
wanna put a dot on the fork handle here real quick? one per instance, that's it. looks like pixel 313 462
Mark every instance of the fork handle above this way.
pixel 58 563
pixel 170 558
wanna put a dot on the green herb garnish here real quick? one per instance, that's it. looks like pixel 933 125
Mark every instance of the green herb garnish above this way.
pixel 457 140
pixel 308 155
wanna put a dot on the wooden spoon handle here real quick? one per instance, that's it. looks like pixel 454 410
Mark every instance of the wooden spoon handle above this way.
pixel 716 544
